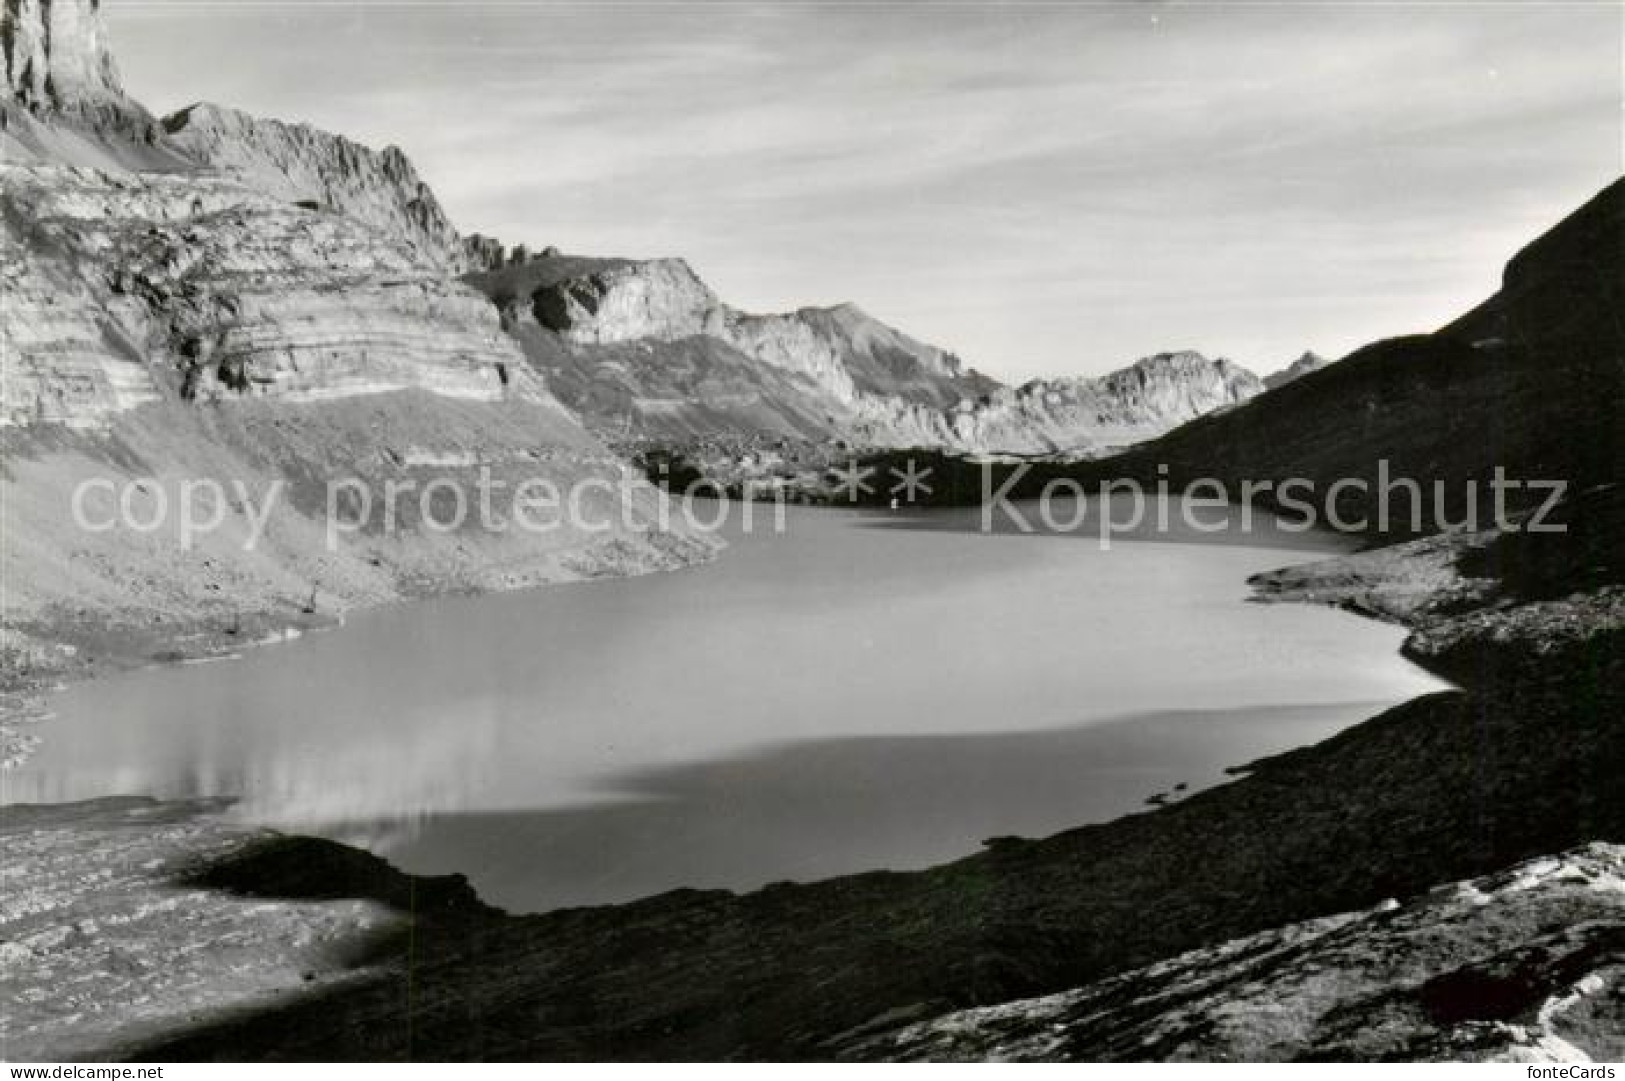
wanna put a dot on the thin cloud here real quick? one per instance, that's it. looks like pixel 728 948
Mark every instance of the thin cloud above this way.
pixel 1042 188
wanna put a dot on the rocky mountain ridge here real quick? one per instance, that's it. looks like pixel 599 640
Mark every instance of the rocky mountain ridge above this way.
pixel 817 374
pixel 841 354
pixel 612 331
pixel 304 165
pixel 122 290
pixel 65 104
pixel 169 322
pixel 1307 363
pixel 1083 415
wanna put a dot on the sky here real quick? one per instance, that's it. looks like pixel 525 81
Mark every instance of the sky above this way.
pixel 1044 188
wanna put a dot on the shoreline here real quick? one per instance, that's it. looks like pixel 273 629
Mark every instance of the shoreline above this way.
pixel 1406 586
pixel 52 656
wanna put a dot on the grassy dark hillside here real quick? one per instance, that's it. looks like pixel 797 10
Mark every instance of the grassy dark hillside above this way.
pixel 1566 286
pixel 1532 381
pixel 1434 409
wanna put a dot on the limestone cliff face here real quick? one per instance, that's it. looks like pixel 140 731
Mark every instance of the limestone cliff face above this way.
pixel 270 259
pixel 854 354
pixel 1090 416
pixel 844 351
pixel 121 290
pixel 884 361
pixel 795 345
pixel 1522 966
pixel 269 308
pixel 62 99
pixel 56 56
pixel 819 373
pixel 162 329
pixel 64 104
pixel 603 302
pixel 301 164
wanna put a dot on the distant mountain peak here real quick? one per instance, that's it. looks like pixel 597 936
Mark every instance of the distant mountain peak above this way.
pixel 1309 362
pixel 846 309
pixel 1176 359
pixel 1096 414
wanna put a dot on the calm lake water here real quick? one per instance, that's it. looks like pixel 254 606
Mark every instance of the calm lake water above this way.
pixel 860 691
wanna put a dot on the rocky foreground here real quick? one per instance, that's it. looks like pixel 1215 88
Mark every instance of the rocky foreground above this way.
pixel 1527 965
pixel 105 945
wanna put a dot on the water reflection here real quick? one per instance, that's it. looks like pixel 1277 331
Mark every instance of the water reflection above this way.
pixel 812 810
pixel 737 705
